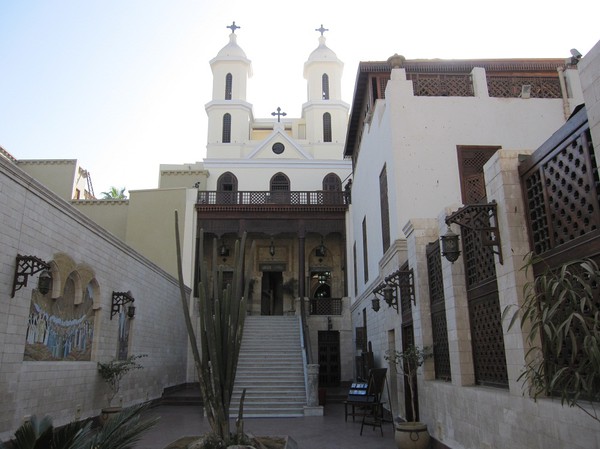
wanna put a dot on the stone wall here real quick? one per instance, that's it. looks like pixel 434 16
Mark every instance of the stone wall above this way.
pixel 34 221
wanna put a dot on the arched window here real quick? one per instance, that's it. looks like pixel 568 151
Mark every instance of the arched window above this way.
pixel 327 127
pixel 227 128
pixel 227 182
pixel 332 189
pixel 332 182
pixel 228 84
pixel 325 86
pixel 280 188
pixel 227 186
pixel 280 182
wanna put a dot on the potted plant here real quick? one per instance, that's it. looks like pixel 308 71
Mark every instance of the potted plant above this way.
pixel 410 434
pixel 112 373
pixel 560 315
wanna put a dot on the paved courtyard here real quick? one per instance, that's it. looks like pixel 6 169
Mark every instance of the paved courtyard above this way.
pixel 316 432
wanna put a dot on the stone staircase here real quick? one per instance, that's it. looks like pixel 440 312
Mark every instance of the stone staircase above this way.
pixel 270 368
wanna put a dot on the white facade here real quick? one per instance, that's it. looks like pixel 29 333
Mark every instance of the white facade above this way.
pixel 309 151
pixel 416 138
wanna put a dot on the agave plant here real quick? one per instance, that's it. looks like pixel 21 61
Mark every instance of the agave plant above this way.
pixel 561 318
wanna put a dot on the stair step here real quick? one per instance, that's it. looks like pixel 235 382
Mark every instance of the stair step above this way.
pixel 270 368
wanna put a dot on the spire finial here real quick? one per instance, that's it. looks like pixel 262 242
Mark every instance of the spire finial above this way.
pixel 233 27
pixel 320 30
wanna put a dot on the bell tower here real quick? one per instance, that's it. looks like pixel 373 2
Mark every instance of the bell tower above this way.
pixel 325 113
pixel 229 114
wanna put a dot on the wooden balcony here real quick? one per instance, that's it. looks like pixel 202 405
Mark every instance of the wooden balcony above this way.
pixel 272 200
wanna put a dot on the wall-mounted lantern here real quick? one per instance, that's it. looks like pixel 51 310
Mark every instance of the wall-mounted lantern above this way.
pixel 120 299
pixel 375 304
pixel 480 218
pixel 28 266
pixel 450 248
pixel 223 250
pixel 321 251
pixel 397 286
pixel 272 248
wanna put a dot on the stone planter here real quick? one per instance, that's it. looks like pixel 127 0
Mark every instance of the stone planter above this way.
pixel 411 435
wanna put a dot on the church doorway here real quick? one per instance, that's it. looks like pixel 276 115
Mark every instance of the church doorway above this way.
pixel 271 293
pixel 329 359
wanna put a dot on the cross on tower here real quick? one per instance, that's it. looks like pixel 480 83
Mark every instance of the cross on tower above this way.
pixel 278 114
pixel 320 30
pixel 233 27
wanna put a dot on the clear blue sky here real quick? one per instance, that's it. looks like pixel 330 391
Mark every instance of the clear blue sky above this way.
pixel 121 85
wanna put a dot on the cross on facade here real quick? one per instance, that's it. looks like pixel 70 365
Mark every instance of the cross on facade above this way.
pixel 278 114
pixel 320 30
pixel 234 27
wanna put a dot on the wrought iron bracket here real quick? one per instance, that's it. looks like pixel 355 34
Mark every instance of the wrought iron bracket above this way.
pixel 26 266
pixel 397 286
pixel 473 217
pixel 119 299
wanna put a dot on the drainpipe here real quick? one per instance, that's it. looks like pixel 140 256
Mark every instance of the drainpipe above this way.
pixel 563 89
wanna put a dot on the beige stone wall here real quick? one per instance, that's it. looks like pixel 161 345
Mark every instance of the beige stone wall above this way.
pixel 37 222
pixel 110 214
pixel 183 175
pixel 151 226
pixel 58 175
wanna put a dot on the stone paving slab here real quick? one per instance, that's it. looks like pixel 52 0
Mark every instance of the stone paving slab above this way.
pixel 329 431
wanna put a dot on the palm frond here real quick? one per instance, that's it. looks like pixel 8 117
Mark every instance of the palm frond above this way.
pixel 123 430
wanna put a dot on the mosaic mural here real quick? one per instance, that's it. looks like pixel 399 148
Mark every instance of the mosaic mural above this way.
pixel 60 329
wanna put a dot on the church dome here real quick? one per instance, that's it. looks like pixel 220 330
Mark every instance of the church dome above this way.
pixel 231 51
pixel 322 52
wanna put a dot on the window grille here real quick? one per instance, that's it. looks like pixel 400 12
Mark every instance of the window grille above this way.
pixel 325 86
pixel 228 86
pixel 385 209
pixel 227 128
pixel 327 127
pixel 280 182
pixel 227 188
pixel 332 182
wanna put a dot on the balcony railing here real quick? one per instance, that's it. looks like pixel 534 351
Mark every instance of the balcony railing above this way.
pixel 326 306
pixel 314 198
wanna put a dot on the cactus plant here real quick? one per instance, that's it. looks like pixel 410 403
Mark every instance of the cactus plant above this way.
pixel 222 313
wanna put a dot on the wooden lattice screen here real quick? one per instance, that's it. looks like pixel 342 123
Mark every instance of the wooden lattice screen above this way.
pixel 561 188
pixel 441 354
pixel 487 342
pixel 511 86
pixel 441 85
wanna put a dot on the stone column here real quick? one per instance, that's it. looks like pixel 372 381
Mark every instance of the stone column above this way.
pixel 312 407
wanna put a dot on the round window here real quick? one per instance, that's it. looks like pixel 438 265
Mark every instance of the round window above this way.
pixel 278 148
